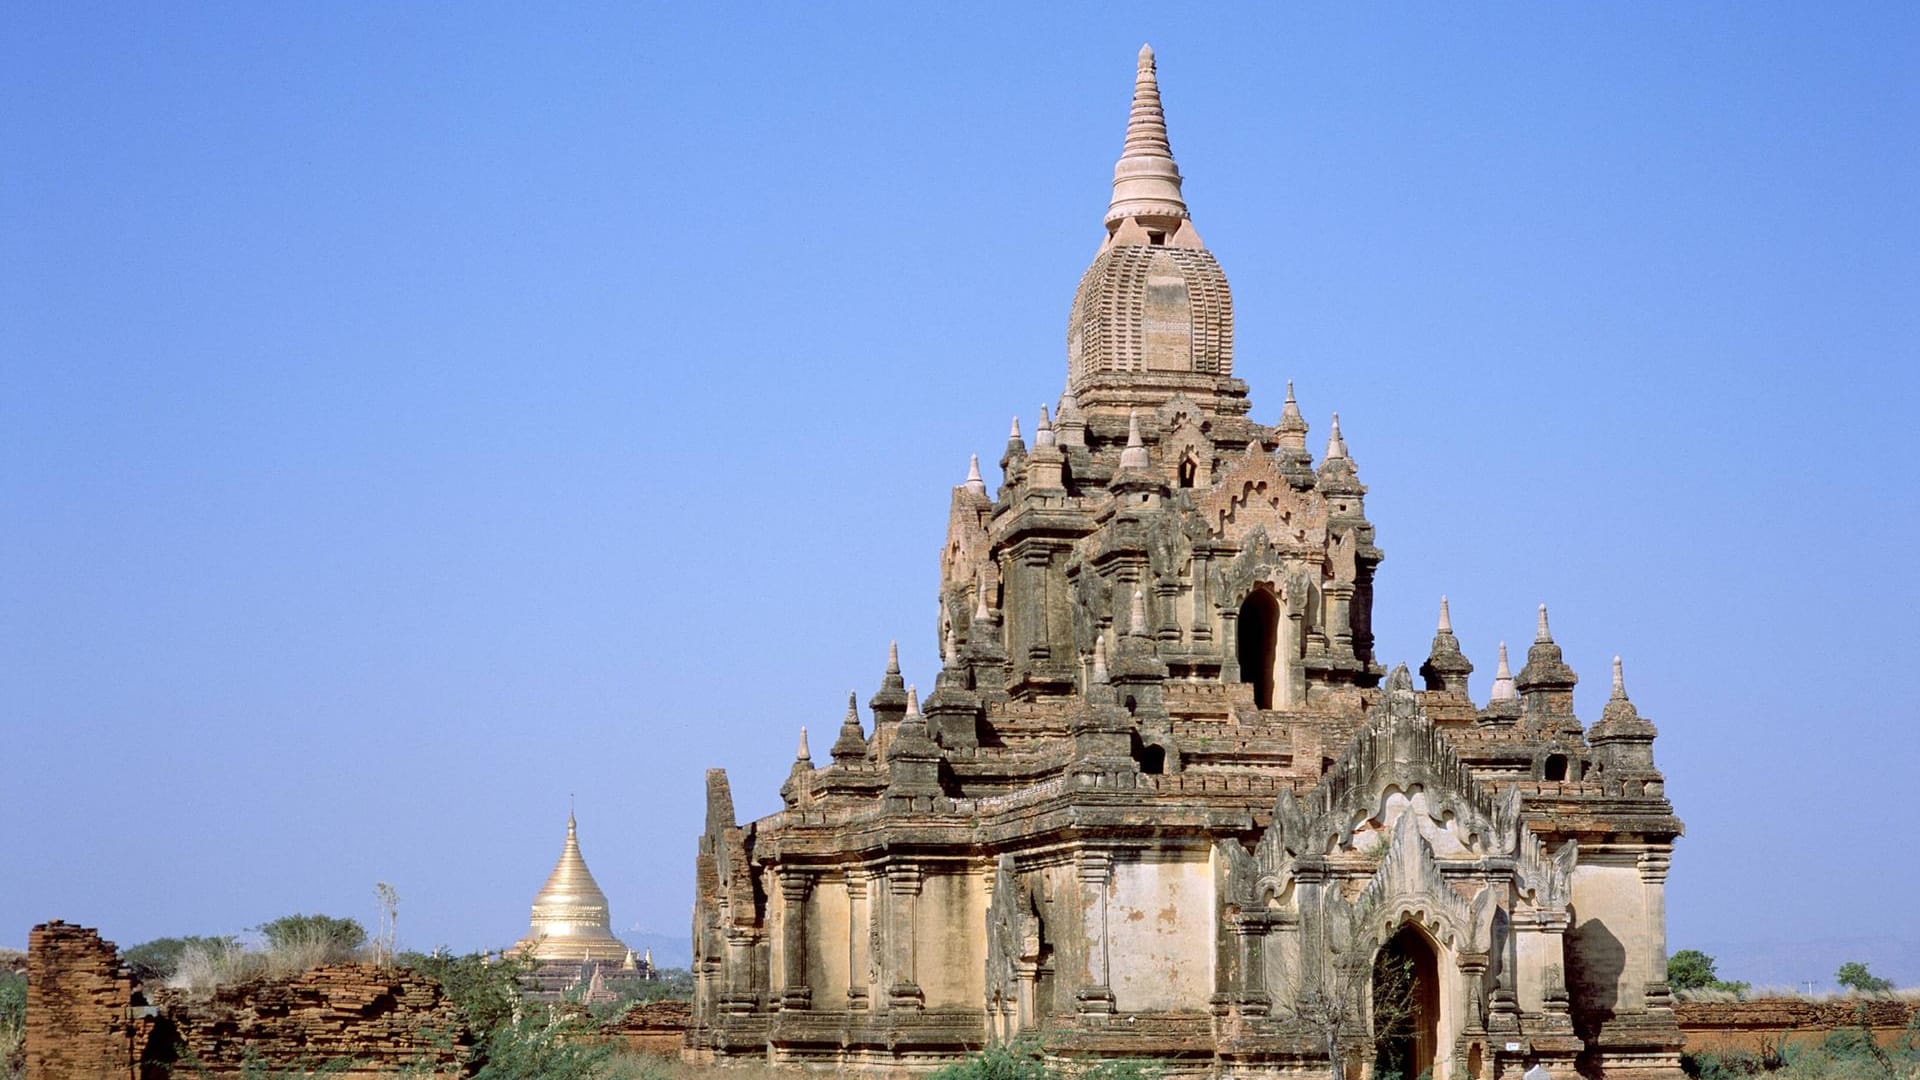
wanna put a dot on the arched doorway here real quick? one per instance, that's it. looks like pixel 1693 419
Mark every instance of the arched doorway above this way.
pixel 1406 1006
pixel 1257 629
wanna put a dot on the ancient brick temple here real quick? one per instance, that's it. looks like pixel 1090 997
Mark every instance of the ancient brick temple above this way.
pixel 1163 800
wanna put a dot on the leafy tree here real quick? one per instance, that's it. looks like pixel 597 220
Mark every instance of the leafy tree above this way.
pixel 1854 976
pixel 341 936
pixel 156 961
pixel 1691 969
pixel 486 993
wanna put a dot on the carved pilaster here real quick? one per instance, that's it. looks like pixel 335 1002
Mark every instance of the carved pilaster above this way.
pixel 795 888
pixel 1654 865
pixel 859 916
pixel 1253 1000
pixel 903 891
pixel 1095 871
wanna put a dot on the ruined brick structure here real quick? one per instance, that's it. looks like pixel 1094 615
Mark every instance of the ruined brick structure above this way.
pixel 88 1018
pixel 1163 790
pixel 85 1018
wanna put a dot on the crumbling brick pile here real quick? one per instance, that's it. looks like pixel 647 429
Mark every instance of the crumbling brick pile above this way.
pixel 658 1027
pixel 381 1020
pixel 88 1018
pixel 1769 1023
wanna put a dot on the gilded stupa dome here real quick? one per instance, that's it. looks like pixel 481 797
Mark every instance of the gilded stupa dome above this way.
pixel 571 920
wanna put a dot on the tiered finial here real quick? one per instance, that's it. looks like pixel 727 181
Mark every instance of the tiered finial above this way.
pixel 1135 455
pixel 1146 182
pixel 1503 678
pixel 974 483
pixel 1336 446
pixel 852 743
pixel 1043 435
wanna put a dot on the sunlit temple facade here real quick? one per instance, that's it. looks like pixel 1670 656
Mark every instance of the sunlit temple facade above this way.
pixel 1163 801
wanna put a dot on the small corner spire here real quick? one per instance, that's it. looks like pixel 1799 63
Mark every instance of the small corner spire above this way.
pixel 1137 622
pixel 981 612
pixel 893 658
pixel 1135 455
pixel 802 753
pixel 1619 681
pixel 1043 434
pixel 1336 446
pixel 1541 634
pixel 1100 659
pixel 913 702
pixel 1503 678
pixel 974 483
pixel 1446 619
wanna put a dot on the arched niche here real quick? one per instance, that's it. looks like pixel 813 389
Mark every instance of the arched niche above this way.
pixel 1258 633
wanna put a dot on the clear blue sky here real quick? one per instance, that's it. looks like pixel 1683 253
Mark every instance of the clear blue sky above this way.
pixel 411 415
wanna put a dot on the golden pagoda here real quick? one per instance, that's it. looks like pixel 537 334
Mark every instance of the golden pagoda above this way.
pixel 570 917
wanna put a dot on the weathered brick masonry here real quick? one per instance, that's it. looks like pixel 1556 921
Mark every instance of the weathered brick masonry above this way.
pixel 81 1007
pixel 88 1018
pixel 1769 1023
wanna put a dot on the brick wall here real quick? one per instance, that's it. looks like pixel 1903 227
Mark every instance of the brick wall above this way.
pixel 659 1027
pixel 80 1007
pixel 1767 1023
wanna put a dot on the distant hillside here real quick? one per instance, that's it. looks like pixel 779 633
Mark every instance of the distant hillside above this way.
pixel 1795 963
pixel 669 950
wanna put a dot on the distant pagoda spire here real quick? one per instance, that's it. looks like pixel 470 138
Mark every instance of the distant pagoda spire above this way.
pixel 571 921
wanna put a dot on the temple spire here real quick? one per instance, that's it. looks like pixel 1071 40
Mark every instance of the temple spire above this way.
pixel 1502 678
pixel 1336 446
pixel 1146 182
pixel 974 483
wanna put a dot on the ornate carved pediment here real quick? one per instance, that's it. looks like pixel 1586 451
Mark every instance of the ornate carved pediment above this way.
pixel 1252 493
pixel 1409 885
pixel 1399 767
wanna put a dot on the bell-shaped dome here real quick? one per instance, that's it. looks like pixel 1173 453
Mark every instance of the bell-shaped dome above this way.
pixel 1153 316
pixel 571 920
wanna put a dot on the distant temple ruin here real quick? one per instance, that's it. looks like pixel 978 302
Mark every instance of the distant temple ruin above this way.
pixel 1163 800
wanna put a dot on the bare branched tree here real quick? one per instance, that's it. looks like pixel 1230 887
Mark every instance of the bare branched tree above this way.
pixel 389 900
pixel 1330 989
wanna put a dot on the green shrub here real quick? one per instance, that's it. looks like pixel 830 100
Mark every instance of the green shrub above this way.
pixel 1023 1060
pixel 13 1024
